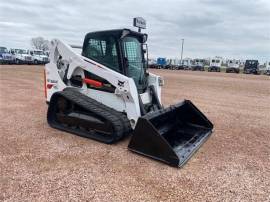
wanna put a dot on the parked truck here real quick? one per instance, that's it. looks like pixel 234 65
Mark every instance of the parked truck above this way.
pixel 267 68
pixel 198 65
pixel 233 66
pixel 176 64
pixel 172 64
pixel 251 67
pixel 161 63
pixel 39 57
pixel 187 64
pixel 152 63
pixel 5 56
pixel 215 65
pixel 22 56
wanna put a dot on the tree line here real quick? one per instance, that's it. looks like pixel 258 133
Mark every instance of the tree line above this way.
pixel 40 43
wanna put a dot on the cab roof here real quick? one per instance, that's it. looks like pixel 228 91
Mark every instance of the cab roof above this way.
pixel 118 33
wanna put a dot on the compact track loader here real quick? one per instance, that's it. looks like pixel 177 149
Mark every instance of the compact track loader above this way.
pixel 106 93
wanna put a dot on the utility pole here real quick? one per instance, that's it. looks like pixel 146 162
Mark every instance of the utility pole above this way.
pixel 182 51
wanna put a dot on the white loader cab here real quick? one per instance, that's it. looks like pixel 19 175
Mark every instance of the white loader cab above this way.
pixel 233 66
pixel 22 56
pixel 215 65
pixel 39 56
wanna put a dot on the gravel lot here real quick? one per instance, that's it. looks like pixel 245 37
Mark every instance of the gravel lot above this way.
pixel 38 163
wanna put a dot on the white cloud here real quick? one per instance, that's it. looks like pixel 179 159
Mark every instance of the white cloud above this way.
pixel 227 28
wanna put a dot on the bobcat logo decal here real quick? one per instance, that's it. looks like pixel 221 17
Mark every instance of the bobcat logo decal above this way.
pixel 121 83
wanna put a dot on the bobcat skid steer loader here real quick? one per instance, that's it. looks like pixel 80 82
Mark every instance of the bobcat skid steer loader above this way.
pixel 106 93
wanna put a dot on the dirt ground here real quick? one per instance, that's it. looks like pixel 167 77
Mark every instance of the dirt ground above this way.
pixel 38 163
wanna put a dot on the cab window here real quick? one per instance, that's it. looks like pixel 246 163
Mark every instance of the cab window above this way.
pixel 102 49
pixel 133 53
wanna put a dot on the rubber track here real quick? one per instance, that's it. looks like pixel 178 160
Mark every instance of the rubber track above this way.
pixel 103 109
pixel 119 120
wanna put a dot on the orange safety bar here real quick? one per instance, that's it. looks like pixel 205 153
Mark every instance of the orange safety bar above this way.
pixel 95 83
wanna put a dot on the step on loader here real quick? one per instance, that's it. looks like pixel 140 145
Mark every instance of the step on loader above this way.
pixel 106 93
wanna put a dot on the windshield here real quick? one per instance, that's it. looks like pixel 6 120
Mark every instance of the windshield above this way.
pixel 252 62
pixel 3 50
pixel 38 53
pixel 20 51
pixel 133 54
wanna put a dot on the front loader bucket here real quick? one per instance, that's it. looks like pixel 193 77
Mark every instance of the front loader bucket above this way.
pixel 171 135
